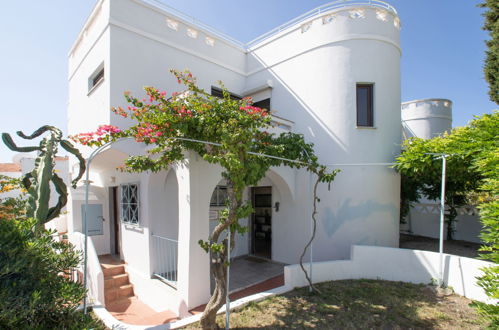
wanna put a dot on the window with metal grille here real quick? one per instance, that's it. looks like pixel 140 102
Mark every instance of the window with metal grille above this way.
pixel 365 105
pixel 130 203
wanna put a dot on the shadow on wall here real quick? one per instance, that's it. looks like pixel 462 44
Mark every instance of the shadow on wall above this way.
pixel 333 221
pixel 320 131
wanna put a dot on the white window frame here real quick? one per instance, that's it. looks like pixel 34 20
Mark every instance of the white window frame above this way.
pixel 126 206
pixel 93 85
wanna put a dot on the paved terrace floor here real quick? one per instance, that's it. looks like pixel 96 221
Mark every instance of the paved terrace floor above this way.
pixel 248 271
pixel 248 275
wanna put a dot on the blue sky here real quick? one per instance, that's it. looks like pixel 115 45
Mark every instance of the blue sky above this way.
pixel 442 44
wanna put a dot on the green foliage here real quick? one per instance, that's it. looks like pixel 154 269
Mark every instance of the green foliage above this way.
pixel 37 181
pixel 421 173
pixel 34 293
pixel 11 207
pixel 491 67
pixel 472 170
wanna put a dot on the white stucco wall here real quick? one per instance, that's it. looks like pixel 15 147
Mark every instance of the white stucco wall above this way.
pixel 99 196
pixel 314 74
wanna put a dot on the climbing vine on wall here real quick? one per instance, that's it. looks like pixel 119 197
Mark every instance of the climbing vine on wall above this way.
pixel 236 132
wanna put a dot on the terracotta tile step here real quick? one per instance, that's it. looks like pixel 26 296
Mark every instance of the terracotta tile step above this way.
pixel 117 293
pixel 110 270
pixel 115 281
pixel 121 305
pixel 133 311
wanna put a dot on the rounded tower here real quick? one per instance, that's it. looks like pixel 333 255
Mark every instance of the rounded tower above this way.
pixel 336 76
pixel 426 118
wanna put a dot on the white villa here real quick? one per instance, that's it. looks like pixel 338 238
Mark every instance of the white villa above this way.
pixel 332 74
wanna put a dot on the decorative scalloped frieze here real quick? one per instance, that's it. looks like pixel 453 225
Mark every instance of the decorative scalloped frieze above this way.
pixel 357 13
pixel 172 24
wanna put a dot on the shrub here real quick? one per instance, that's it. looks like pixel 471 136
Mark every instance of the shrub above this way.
pixel 35 289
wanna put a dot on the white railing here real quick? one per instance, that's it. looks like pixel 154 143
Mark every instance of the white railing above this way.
pixel 191 20
pixel 319 10
pixel 95 277
pixel 166 259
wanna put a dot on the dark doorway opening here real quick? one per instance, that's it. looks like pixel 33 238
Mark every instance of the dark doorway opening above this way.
pixel 115 221
pixel 261 222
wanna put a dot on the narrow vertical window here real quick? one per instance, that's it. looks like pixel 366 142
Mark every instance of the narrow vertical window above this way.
pixel 365 105
pixel 96 78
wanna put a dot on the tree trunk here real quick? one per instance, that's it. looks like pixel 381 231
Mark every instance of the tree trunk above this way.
pixel 314 221
pixel 219 262
pixel 219 271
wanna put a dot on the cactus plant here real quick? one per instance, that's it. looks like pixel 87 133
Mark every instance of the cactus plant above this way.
pixel 37 182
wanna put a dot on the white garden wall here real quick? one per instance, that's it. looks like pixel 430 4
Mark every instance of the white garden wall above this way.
pixel 392 264
pixel 95 277
pixel 424 220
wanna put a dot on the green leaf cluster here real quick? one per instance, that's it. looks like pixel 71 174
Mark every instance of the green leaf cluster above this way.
pixel 491 67
pixel 35 289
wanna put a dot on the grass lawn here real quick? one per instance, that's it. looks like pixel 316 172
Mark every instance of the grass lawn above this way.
pixel 358 304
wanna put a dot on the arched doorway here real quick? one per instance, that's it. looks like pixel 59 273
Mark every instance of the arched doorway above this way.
pixel 163 215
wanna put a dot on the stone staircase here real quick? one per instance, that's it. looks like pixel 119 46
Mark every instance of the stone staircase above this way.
pixel 117 286
pixel 121 301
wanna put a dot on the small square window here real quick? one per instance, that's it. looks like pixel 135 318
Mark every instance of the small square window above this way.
pixel 365 105
pixel 130 203
pixel 96 78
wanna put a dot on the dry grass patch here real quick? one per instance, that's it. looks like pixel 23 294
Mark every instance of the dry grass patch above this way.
pixel 359 304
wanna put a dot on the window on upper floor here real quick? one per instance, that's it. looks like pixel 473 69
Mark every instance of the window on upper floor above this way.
pixel 365 102
pixel 129 203
pixel 215 91
pixel 96 78
pixel 263 104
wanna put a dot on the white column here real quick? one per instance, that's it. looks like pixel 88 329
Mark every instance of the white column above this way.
pixel 193 263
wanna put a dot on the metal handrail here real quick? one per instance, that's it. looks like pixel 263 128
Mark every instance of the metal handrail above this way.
pixel 166 263
pixel 190 19
pixel 319 10
pixel 165 238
